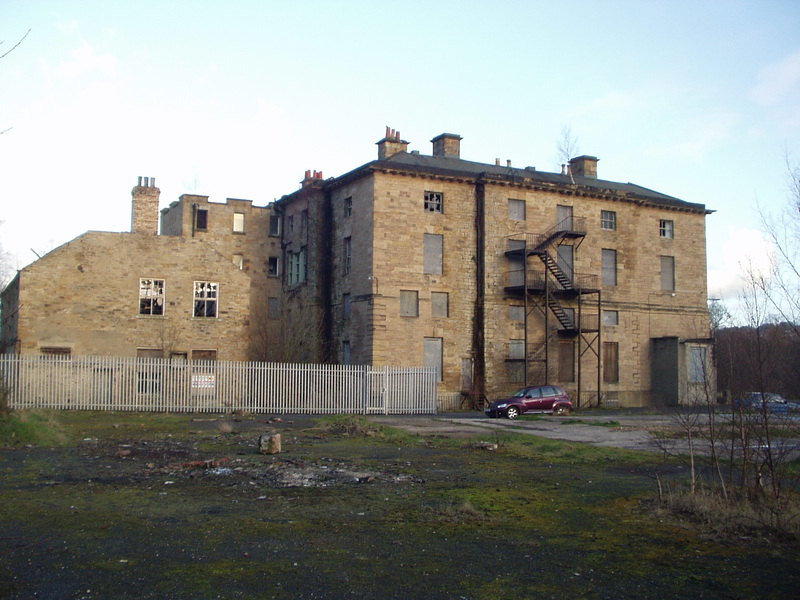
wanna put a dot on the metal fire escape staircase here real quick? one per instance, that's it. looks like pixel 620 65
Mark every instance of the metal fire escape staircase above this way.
pixel 554 289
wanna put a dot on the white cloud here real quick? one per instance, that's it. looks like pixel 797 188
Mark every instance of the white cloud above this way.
pixel 711 132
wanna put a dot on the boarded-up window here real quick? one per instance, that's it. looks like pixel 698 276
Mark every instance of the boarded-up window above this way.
pixel 345 353
pixel 440 305
pixel 516 209
pixel 433 355
pixel 346 305
pixel 516 360
pixel 409 303
pixel 433 254
pixel 611 362
pixel 566 361
pixel 516 313
pixel 611 317
pixel 697 364
pixel 204 355
pixel 609 267
pixel 273 308
pixel 564 216
pixel 668 273
pixel 238 260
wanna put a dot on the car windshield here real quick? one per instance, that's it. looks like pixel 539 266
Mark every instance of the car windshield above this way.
pixel 520 393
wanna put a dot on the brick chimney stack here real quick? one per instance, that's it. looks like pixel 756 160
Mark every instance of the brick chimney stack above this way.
pixel 447 145
pixel 391 144
pixel 584 166
pixel 144 206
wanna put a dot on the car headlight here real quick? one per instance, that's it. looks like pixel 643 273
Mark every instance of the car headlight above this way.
pixel 502 405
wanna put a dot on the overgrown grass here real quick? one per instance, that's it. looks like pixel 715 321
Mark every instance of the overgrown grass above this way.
pixel 31 428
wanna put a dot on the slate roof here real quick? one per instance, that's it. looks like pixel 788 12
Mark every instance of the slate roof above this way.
pixel 457 167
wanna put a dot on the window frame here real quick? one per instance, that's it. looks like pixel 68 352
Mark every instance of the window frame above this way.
pixel 411 299
pixel 346 306
pixel 276 272
pixel 442 297
pixel 607 322
pixel 205 299
pixel 605 270
pixel 667 285
pixel 434 202
pixel 238 223
pixel 348 255
pixel 348 207
pixel 513 213
pixel 153 297
pixel 433 264
pixel 666 229
pixel 274 226
pixel 608 220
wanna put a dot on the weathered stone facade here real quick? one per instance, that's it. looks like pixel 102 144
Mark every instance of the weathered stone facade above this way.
pixel 497 276
pixel 388 304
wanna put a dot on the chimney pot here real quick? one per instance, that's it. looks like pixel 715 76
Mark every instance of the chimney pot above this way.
pixel 140 181
pixel 508 163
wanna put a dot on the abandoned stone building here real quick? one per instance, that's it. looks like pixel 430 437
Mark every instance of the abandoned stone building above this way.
pixel 497 276
pixel 186 294
pixel 502 276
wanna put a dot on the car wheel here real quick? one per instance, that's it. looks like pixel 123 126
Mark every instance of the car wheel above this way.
pixel 561 410
pixel 512 412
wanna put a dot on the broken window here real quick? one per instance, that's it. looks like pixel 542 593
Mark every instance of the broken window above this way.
pixel 434 201
pixel 205 299
pixel 516 209
pixel 348 206
pixel 433 254
pixel 151 297
pixel 440 305
pixel 273 266
pixel 409 303
pixel 238 260
pixel 275 225
pixel 290 223
pixel 201 220
pixel 666 229
pixel 608 219
pixel 238 222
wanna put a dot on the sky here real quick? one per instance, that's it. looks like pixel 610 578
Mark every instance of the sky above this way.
pixel 696 99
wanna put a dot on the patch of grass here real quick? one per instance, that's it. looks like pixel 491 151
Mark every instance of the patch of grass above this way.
pixel 30 427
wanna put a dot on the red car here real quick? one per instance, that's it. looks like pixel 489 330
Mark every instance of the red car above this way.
pixel 536 399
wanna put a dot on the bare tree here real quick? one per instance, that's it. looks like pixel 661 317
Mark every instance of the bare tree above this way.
pixel 282 333
pixel 567 147
pixel 6 53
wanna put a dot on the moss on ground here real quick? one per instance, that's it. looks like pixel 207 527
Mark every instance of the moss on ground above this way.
pixel 441 518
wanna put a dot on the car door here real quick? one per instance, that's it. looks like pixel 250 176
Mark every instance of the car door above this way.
pixel 548 398
pixel 533 398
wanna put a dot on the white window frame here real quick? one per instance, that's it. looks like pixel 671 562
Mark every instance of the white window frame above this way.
pixel 206 294
pixel 152 293
pixel 666 229
pixel 238 222
pixel 434 202
pixel 608 220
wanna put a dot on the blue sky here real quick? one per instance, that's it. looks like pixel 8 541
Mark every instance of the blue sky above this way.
pixel 698 100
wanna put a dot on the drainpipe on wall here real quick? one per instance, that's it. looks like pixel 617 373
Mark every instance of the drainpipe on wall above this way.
pixel 194 217
pixel 478 339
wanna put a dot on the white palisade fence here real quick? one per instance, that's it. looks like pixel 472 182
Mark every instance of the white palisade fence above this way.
pixel 150 384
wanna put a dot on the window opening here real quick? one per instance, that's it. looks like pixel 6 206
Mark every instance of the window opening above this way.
pixel 273 266
pixel 238 222
pixel 201 220
pixel 434 201
pixel 205 298
pixel 609 267
pixel 666 229
pixel 608 219
pixel 516 209
pixel 409 303
pixel 151 297
pixel 611 362
pixel 433 254
pixel 668 273
pixel 348 255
